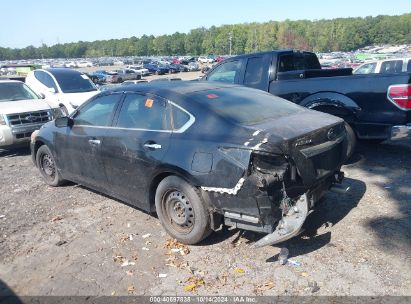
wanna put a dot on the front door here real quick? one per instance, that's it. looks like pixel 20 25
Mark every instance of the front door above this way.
pixel 79 147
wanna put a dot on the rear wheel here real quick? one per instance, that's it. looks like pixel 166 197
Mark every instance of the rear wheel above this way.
pixel 182 211
pixel 47 166
pixel 351 139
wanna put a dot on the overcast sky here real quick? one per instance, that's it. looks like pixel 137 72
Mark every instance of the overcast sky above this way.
pixel 26 23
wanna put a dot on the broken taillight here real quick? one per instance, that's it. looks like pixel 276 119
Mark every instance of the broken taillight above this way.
pixel 400 95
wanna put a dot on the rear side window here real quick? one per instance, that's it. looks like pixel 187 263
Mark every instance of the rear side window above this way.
pixel 298 61
pixel 97 112
pixel 143 112
pixel 226 72
pixel 179 118
pixel 45 79
pixel 409 66
pixel 254 72
pixel 392 66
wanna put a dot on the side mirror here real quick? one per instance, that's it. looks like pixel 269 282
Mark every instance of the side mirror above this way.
pixel 64 121
pixel 51 90
pixel 42 96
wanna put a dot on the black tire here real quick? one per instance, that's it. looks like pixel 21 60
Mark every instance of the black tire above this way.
pixel 182 211
pixel 351 140
pixel 120 80
pixel 47 166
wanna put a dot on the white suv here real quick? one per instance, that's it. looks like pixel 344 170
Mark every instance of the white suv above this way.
pixel 66 87
pixel 21 112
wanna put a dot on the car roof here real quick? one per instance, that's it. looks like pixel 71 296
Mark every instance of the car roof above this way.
pixel 62 71
pixel 173 87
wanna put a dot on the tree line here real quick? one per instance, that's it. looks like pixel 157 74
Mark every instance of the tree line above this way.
pixel 341 34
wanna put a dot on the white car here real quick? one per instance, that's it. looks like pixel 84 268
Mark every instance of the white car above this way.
pixel 139 70
pixel 204 59
pixel 21 113
pixel 84 64
pixel 386 66
pixel 67 88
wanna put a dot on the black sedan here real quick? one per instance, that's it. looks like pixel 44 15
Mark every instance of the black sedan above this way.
pixel 200 154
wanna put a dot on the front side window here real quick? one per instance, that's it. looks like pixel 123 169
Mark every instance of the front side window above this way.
pixel 227 72
pixel 143 112
pixel 98 112
pixel 367 68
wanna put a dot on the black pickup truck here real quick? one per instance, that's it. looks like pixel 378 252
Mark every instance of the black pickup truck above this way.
pixel 375 106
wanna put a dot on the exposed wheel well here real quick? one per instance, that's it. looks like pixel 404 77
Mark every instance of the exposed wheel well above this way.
pixel 37 146
pixel 154 185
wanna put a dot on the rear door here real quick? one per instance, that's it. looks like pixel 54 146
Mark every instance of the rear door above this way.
pixel 136 146
pixel 79 147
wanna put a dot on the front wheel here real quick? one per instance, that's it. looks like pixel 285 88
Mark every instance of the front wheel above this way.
pixel 47 166
pixel 351 139
pixel 182 211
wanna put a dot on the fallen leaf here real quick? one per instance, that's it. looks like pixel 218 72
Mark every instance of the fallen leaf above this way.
pixel 146 235
pixel 162 275
pixel 130 289
pixel 239 270
pixel 145 248
pixel 113 293
pixel 190 287
pixel 304 274
pixel 263 287
pixel 127 263
pixel 56 218
pixel 193 283
pixel 129 272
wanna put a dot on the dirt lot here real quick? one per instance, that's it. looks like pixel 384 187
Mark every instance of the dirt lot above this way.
pixel 72 241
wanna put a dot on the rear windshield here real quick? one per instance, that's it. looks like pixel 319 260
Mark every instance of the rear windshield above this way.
pixel 13 91
pixel 74 83
pixel 245 106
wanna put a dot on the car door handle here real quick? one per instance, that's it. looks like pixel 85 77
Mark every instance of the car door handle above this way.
pixel 152 146
pixel 94 142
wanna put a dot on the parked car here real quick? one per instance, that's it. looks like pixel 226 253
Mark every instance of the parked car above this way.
pixel 156 69
pixel 211 156
pixel 204 59
pixel 193 66
pixel 374 106
pixel 66 87
pixel 105 76
pixel 127 74
pixel 131 82
pixel 386 66
pixel 139 70
pixel 84 64
pixel 21 112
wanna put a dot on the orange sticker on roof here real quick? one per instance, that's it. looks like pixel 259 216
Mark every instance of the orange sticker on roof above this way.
pixel 212 96
pixel 149 103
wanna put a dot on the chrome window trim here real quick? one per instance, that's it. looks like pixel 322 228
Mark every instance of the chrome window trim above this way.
pixel 187 125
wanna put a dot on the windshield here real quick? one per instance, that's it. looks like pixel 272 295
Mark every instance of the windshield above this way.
pixel 74 83
pixel 11 91
pixel 245 106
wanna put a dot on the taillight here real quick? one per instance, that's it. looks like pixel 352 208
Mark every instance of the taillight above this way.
pixel 400 95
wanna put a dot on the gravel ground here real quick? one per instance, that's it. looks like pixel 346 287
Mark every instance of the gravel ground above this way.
pixel 73 241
